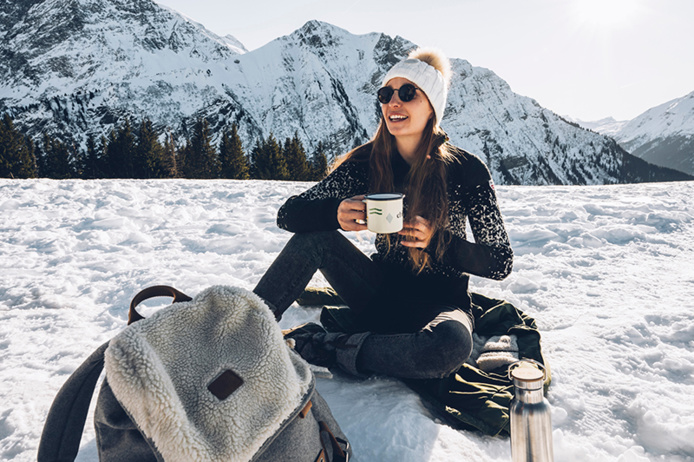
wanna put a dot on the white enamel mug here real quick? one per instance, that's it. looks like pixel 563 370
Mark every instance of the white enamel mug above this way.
pixel 384 212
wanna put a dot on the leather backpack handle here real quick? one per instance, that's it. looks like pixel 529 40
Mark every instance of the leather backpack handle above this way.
pixel 151 292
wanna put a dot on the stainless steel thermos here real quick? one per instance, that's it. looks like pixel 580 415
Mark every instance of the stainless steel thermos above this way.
pixel 531 422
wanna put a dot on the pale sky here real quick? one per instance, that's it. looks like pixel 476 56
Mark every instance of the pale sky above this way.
pixel 586 59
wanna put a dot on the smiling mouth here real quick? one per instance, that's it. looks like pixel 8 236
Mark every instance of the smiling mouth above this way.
pixel 397 117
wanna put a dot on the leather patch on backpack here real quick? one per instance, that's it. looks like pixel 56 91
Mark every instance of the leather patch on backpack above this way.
pixel 224 385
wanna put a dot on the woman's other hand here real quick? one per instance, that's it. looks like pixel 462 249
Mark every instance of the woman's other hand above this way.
pixel 351 214
pixel 417 232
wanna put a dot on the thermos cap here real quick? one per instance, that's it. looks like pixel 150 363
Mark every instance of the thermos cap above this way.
pixel 527 374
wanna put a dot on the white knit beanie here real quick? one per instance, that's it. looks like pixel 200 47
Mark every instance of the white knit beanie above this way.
pixel 427 78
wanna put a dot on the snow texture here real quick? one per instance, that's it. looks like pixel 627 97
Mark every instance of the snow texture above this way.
pixel 606 271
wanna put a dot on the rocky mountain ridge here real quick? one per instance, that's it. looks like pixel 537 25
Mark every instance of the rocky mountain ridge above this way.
pixel 607 126
pixel 663 135
pixel 80 67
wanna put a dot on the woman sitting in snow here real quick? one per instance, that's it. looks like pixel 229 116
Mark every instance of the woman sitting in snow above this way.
pixel 411 296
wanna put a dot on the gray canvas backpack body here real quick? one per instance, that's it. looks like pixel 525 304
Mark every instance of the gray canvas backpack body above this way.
pixel 205 379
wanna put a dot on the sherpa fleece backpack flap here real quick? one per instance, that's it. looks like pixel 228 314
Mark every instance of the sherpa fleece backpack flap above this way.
pixel 205 379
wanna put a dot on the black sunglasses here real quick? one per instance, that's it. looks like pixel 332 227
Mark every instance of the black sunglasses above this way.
pixel 406 93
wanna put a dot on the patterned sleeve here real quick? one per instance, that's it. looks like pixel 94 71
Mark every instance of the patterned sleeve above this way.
pixel 490 256
pixel 316 208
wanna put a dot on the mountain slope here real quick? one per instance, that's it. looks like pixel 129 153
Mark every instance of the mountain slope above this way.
pixel 607 126
pixel 80 67
pixel 663 135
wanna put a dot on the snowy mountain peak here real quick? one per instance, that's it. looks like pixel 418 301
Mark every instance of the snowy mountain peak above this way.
pixel 80 67
pixel 607 126
pixel 319 29
pixel 320 36
pixel 663 135
pixel 235 44
pixel 675 117
pixel 65 44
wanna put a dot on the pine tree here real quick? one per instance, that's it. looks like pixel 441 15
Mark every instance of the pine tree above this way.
pixel 17 159
pixel 126 144
pixel 182 159
pixel 297 165
pixel 110 154
pixel 233 161
pixel 40 156
pixel 268 162
pixel 201 157
pixel 93 160
pixel 120 152
pixel 319 163
pixel 256 160
pixel 148 158
pixel 32 169
pixel 55 162
pixel 77 160
pixel 170 157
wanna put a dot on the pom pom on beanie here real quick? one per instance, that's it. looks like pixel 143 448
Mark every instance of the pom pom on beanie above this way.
pixel 436 59
pixel 429 70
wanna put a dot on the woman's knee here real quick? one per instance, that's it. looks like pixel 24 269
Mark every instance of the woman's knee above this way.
pixel 313 243
pixel 312 237
pixel 450 347
pixel 313 240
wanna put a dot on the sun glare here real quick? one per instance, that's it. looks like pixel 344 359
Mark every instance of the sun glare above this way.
pixel 605 13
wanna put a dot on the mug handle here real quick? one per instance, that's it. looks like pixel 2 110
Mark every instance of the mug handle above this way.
pixel 362 222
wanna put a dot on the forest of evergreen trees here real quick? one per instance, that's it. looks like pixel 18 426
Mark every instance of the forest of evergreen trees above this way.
pixel 134 151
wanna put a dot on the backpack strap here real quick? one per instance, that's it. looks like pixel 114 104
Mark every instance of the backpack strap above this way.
pixel 64 425
pixel 337 449
pixel 151 292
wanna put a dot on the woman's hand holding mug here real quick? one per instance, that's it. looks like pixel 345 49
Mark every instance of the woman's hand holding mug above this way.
pixel 387 211
pixel 417 233
pixel 351 214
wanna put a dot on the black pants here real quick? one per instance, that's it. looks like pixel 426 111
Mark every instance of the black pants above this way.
pixel 407 340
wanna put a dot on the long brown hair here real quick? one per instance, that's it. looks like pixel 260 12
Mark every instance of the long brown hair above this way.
pixel 425 185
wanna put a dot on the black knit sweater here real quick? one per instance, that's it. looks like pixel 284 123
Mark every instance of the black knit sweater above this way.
pixel 471 197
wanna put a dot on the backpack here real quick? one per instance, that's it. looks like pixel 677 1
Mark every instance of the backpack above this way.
pixel 204 379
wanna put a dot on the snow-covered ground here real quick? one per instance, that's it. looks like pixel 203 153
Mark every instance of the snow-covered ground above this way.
pixel 607 271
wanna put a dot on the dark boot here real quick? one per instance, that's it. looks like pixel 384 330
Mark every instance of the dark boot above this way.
pixel 317 346
pixel 307 345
